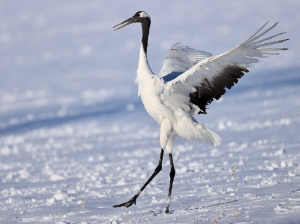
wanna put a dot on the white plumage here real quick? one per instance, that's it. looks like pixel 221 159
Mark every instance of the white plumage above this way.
pixel 169 103
pixel 188 81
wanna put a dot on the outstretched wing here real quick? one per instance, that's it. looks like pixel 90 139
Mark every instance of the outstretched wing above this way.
pixel 179 60
pixel 207 80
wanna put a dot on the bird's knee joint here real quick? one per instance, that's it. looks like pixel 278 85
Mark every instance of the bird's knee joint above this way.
pixel 158 168
pixel 172 173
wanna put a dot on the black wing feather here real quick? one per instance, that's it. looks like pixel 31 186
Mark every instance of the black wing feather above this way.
pixel 210 90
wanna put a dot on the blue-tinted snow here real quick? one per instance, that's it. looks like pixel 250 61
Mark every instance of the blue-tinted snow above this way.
pixel 71 124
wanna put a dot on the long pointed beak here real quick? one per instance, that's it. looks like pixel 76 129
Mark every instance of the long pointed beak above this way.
pixel 127 22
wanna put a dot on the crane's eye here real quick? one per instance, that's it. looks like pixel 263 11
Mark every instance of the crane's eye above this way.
pixel 137 14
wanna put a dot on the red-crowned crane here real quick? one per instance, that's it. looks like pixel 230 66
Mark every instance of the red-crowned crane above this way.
pixel 188 81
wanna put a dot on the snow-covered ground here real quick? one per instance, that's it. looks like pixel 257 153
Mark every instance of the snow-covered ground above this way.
pixel 75 140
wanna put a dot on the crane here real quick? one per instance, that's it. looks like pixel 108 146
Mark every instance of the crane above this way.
pixel 189 80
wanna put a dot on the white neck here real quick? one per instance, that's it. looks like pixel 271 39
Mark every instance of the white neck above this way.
pixel 144 70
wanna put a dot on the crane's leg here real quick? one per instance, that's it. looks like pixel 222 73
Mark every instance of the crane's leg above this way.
pixel 165 134
pixel 172 172
pixel 156 171
pixel 172 175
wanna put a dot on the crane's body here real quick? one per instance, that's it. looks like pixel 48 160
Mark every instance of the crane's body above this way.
pixel 174 120
pixel 189 80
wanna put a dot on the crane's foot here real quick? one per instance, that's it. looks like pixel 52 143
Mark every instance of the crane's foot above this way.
pixel 128 203
pixel 167 210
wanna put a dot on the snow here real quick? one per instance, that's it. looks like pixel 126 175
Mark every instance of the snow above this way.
pixel 75 140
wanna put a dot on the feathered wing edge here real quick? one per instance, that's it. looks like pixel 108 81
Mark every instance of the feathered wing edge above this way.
pixel 181 58
pixel 207 80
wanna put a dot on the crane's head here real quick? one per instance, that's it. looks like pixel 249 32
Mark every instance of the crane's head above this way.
pixel 139 17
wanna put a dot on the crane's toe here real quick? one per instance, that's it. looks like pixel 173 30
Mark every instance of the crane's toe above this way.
pixel 128 203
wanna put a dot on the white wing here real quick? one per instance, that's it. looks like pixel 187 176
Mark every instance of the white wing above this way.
pixel 197 87
pixel 179 60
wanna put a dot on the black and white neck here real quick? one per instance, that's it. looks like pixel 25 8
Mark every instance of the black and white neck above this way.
pixel 145 20
pixel 144 71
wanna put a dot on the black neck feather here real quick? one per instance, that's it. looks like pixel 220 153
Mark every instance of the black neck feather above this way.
pixel 145 27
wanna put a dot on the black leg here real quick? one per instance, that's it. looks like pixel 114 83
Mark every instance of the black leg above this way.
pixel 156 171
pixel 172 175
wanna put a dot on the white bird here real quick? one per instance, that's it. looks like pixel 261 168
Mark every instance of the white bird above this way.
pixel 188 81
